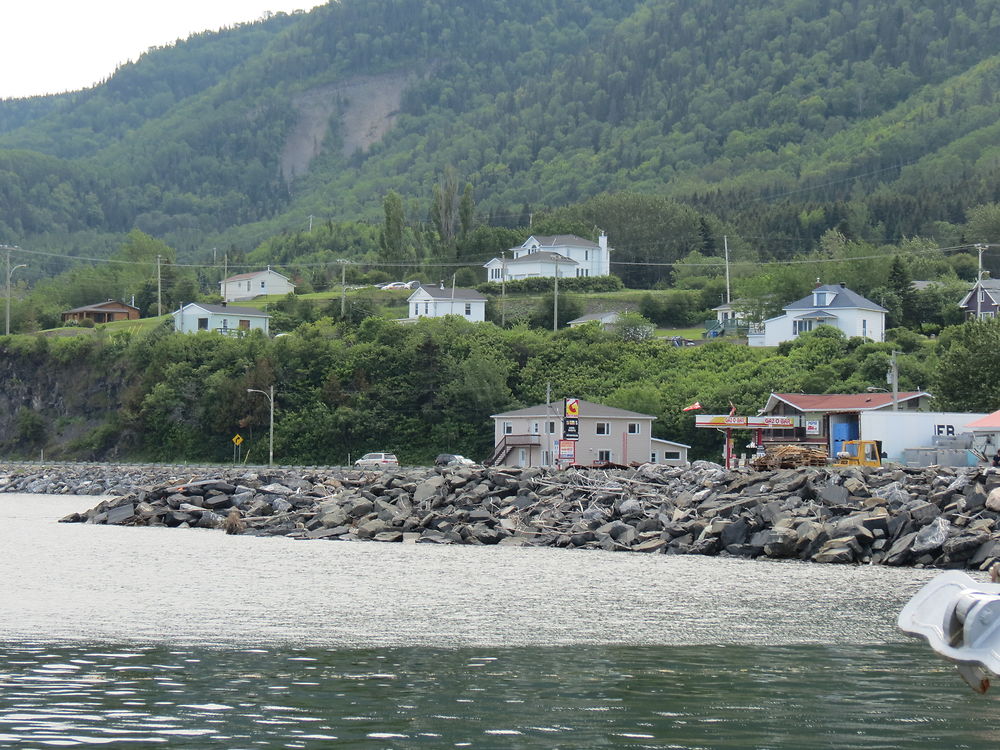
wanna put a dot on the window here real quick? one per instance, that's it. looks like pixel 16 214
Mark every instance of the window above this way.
pixel 535 426
pixel 248 286
pixel 603 428
pixel 508 428
pixel 604 456
pixel 551 428
pixel 634 428
pixel 427 308
pixel 586 254
pixel 244 325
pixel 671 455
pixel 468 308
pixel 652 457
pixel 864 327
pixel 262 285
pixel 819 299
pixel 202 324
pixel 225 324
pixel 546 458
pixel 801 326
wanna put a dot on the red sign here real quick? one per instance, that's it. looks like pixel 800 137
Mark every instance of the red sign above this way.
pixel 572 407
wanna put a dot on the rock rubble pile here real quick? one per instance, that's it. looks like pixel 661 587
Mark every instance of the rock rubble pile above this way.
pixel 941 517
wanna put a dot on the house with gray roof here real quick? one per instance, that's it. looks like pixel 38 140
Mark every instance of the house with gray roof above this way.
pixel 547 256
pixel 244 286
pixel 603 319
pixel 982 301
pixel 828 304
pixel 225 318
pixel 437 301
pixel 607 435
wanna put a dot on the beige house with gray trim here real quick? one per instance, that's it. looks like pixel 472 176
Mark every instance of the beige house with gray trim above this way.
pixel 530 437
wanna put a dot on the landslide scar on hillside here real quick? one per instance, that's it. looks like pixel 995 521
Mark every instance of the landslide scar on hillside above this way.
pixel 368 106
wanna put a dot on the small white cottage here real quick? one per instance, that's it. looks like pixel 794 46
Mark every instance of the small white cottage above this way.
pixel 438 301
pixel 197 316
pixel 259 283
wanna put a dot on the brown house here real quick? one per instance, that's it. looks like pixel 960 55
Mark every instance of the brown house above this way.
pixel 102 312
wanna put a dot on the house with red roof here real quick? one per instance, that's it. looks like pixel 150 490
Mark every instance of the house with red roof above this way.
pixel 826 420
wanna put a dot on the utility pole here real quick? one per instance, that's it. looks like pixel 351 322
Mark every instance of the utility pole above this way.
pixel 725 242
pixel 159 306
pixel 503 289
pixel 343 288
pixel 894 374
pixel 270 442
pixel 10 272
pixel 452 311
pixel 978 289
pixel 310 222
pixel 555 301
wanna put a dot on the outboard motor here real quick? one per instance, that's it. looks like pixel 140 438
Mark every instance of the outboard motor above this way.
pixel 960 618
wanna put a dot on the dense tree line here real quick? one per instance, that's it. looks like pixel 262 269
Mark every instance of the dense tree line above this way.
pixel 345 388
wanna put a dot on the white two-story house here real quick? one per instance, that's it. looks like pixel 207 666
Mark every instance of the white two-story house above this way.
pixel 438 301
pixel 829 304
pixel 259 283
pixel 563 255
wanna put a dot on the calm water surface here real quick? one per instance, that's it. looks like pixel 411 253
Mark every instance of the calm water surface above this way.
pixel 190 638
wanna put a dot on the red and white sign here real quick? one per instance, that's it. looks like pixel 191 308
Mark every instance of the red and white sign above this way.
pixel 719 420
pixel 773 423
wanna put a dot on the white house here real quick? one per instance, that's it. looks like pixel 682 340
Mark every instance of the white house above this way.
pixel 438 301
pixel 546 256
pixel 249 285
pixel 196 316
pixel 828 304
pixel 603 319
pixel 530 437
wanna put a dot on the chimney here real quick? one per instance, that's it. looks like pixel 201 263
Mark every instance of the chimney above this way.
pixel 602 241
pixel 441 283
pixel 843 285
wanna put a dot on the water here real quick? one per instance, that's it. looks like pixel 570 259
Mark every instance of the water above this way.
pixel 190 638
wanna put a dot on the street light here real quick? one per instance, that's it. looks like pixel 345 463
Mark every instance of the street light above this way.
pixel 270 442
pixel 10 272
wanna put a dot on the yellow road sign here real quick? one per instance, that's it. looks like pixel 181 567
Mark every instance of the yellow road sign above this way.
pixel 237 439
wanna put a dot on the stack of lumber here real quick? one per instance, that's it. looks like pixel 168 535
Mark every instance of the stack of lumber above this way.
pixel 789 457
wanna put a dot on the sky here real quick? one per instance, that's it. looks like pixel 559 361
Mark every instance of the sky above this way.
pixel 51 46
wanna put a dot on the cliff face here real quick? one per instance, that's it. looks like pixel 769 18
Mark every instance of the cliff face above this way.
pixel 62 406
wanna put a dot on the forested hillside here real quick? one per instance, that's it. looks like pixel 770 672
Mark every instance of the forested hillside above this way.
pixel 776 120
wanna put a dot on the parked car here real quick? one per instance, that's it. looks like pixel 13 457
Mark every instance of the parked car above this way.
pixel 377 461
pixel 453 459
pixel 400 285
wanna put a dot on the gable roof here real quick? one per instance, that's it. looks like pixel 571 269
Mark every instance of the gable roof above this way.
pixel 842 297
pixel 103 307
pixel 224 309
pixel 545 256
pixel 436 292
pixel 252 274
pixel 990 286
pixel 839 402
pixel 588 409
pixel 989 422
pixel 559 240
pixel 602 316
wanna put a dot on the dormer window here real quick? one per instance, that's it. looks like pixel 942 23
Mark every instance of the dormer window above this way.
pixel 819 299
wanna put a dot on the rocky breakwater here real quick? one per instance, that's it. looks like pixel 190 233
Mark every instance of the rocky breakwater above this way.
pixel 894 516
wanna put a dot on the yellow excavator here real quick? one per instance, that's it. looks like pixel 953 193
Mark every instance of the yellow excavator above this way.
pixel 860 453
